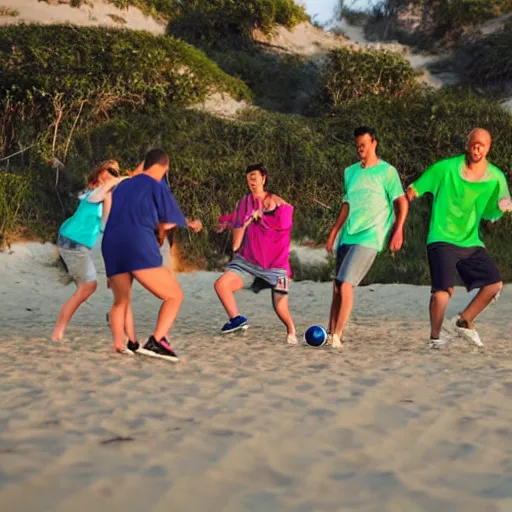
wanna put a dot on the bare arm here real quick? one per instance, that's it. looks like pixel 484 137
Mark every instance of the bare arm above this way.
pixel 99 193
pixel 107 205
pixel 342 218
pixel 401 205
pixel 238 233
pixel 411 194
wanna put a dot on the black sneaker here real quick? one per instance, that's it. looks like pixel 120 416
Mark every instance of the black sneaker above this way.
pixel 160 349
pixel 133 345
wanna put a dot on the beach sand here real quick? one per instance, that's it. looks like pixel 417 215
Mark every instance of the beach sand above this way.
pixel 244 422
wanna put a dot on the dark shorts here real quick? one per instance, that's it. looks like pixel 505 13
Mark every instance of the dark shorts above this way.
pixel 473 264
pixel 128 252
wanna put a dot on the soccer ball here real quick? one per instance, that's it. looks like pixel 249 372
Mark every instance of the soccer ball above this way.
pixel 315 336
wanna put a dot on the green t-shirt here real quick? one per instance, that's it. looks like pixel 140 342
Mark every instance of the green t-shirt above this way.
pixel 459 205
pixel 370 193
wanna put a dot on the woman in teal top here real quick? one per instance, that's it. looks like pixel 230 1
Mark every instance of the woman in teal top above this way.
pixel 78 235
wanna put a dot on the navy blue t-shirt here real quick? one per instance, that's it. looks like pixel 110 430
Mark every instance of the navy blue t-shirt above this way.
pixel 138 205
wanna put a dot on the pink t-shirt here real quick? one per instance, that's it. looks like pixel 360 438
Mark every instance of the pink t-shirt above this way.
pixel 266 242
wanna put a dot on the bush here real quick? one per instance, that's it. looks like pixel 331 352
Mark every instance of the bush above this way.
pixel 283 83
pixel 490 62
pixel 352 74
pixel 60 78
pixel 305 157
pixel 214 21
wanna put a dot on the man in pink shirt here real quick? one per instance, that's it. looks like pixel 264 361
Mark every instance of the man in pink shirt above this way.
pixel 262 225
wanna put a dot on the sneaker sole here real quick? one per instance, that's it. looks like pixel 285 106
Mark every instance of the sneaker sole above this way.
pixel 239 328
pixel 150 353
pixel 126 352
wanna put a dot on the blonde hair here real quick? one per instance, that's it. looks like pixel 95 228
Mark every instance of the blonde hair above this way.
pixel 93 176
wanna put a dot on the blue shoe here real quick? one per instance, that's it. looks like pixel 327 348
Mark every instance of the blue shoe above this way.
pixel 235 324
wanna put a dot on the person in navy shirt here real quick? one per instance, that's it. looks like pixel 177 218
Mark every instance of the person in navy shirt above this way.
pixel 141 206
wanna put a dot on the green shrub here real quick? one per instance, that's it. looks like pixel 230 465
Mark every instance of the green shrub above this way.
pixel 306 158
pixel 283 83
pixel 61 78
pixel 490 59
pixel 214 21
pixel 352 74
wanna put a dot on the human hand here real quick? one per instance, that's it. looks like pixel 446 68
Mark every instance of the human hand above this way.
pixel 505 204
pixel 257 215
pixel 195 225
pixel 397 241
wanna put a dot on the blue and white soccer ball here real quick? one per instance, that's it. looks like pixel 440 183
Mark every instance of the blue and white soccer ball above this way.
pixel 315 336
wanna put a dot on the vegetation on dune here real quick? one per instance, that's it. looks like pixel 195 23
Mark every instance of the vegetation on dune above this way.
pixel 93 94
pixel 57 79
pixel 210 20
pixel 438 21
pixel 207 18
pixel 355 74
pixel 490 59
pixel 305 157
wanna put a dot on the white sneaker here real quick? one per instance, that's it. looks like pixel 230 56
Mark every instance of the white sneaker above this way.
pixel 467 331
pixel 336 342
pixel 437 343
pixel 291 339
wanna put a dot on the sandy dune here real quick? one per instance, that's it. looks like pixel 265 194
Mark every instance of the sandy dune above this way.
pixel 246 423
pixel 95 13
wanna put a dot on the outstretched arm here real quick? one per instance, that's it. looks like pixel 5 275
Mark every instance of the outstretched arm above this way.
pixel 342 217
pixel 401 206
pixel 99 193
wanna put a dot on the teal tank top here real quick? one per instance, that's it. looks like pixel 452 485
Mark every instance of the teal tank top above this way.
pixel 84 226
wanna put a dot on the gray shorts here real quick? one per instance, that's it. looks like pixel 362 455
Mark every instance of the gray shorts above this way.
pixel 353 263
pixel 257 278
pixel 78 260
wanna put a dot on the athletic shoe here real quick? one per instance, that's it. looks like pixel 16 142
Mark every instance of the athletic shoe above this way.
pixel 336 342
pixel 468 331
pixel 437 343
pixel 133 345
pixel 291 339
pixel 235 324
pixel 160 349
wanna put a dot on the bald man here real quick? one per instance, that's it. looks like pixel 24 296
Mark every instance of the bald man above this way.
pixel 465 190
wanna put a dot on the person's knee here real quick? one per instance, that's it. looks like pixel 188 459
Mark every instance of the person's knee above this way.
pixel 87 289
pixel 442 294
pixel 495 288
pixel 219 285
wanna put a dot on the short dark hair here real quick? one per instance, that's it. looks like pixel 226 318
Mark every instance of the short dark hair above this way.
pixel 155 156
pixel 257 167
pixel 363 130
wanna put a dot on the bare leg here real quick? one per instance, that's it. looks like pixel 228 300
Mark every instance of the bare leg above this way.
pixel 226 286
pixel 280 303
pixel 129 322
pixel 162 283
pixel 480 301
pixel 438 304
pixel 82 293
pixel 347 303
pixel 121 286
pixel 335 307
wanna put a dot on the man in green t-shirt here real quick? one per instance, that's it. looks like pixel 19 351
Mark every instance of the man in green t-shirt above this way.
pixel 465 189
pixel 372 189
